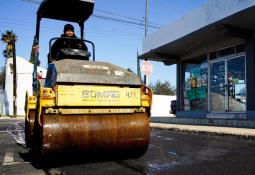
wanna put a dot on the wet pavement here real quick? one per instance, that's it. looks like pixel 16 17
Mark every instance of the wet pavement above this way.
pixel 169 152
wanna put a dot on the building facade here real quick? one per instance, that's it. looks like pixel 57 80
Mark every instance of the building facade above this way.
pixel 214 50
pixel 24 78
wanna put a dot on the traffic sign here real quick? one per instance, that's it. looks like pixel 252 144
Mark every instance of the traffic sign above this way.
pixel 146 68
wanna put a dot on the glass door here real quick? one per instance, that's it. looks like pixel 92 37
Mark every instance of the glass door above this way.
pixel 228 85
pixel 217 86
pixel 236 84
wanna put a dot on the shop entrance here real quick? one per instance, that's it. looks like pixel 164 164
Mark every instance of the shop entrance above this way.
pixel 227 92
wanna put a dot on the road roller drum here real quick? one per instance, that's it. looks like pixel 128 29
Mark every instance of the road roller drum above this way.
pixel 127 133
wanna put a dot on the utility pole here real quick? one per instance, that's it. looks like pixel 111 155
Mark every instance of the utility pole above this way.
pixel 146 19
pixel 14 79
pixel 146 30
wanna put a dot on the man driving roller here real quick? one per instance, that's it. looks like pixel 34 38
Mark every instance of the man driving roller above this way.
pixel 65 42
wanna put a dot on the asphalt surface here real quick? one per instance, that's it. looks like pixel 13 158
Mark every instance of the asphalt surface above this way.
pixel 169 152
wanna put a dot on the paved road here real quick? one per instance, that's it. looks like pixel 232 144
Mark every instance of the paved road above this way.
pixel 168 153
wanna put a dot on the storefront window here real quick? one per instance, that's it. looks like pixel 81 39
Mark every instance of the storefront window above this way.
pixel 195 86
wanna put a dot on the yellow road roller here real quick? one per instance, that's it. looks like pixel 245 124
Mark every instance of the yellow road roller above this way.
pixel 83 105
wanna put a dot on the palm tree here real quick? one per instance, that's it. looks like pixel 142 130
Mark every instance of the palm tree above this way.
pixel 8 38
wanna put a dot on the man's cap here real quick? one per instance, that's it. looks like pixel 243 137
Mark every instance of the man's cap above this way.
pixel 68 27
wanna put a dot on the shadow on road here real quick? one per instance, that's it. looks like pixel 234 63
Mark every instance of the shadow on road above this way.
pixel 59 160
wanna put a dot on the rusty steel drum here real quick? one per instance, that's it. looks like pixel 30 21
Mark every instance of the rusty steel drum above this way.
pixel 116 133
pixel 29 126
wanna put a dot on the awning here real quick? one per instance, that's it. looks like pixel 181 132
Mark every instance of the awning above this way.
pixel 239 25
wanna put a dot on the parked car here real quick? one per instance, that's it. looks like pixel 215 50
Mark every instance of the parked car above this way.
pixel 173 107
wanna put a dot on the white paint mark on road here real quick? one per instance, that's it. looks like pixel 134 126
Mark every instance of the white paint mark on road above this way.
pixel 164 138
pixel 54 171
pixel 167 138
pixel 150 146
pixel 14 163
pixel 160 166
pixel 8 158
pixel 18 134
pixel 173 153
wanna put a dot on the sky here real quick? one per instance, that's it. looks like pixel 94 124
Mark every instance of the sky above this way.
pixel 115 42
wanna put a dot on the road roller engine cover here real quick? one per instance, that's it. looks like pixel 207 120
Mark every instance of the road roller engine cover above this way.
pixel 84 105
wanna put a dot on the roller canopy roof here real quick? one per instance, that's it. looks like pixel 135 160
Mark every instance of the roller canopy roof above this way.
pixel 67 10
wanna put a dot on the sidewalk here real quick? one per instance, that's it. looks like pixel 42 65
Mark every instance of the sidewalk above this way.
pixel 11 118
pixel 244 133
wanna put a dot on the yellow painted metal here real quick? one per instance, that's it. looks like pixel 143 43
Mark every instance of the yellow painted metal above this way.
pixel 146 96
pixel 30 104
pixel 92 95
pixel 94 111
pixel 48 102
pixel 48 97
pixel 39 106
pixel 48 93
pixel 145 101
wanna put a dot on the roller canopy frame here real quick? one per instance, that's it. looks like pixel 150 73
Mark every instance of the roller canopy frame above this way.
pixel 77 11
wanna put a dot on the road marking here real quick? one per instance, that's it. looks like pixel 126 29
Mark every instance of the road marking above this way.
pixel 161 166
pixel 150 146
pixel 8 158
pixel 13 163
pixel 173 153
pixel 54 171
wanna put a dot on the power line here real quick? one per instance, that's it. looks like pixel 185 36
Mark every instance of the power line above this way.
pixel 132 21
pixel 124 21
pixel 30 25
pixel 121 36
pixel 33 1
pixel 135 19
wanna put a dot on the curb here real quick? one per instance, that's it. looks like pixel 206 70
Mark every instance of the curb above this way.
pixel 205 122
pixel 11 118
pixel 243 134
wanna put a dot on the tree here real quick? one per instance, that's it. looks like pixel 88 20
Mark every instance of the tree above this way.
pixel 2 77
pixel 162 88
pixel 8 37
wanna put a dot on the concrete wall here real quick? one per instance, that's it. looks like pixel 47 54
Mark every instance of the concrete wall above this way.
pixel 161 105
pixel 24 83
pixel 208 13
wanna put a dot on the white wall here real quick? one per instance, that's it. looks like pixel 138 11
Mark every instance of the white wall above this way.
pixel 1 101
pixel 24 83
pixel 161 105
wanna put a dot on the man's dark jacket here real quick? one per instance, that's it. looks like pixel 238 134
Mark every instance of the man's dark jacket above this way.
pixel 66 43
